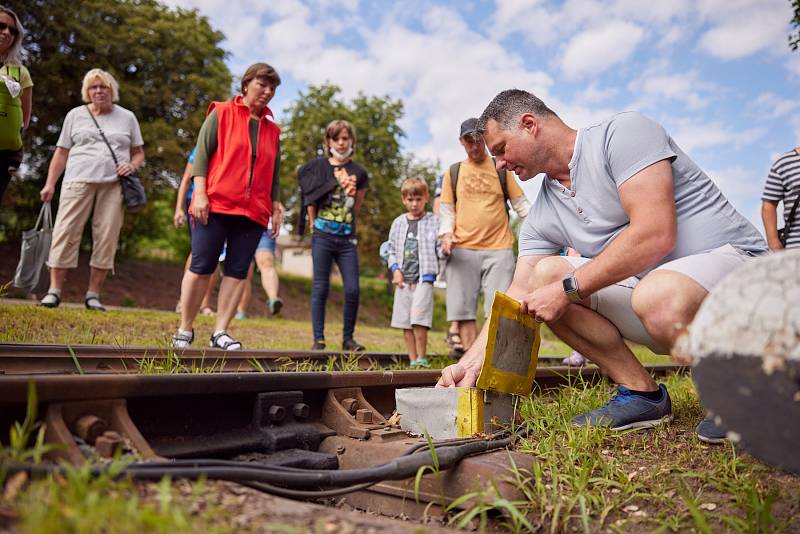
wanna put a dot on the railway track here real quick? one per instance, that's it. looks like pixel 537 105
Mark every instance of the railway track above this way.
pixel 91 359
pixel 295 434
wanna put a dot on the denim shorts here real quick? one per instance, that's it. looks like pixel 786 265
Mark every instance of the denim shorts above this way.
pixel 266 242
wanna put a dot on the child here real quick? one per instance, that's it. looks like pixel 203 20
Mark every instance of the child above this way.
pixel 413 260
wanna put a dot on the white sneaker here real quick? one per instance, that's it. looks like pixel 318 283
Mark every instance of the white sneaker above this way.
pixel 182 340
pixel 224 341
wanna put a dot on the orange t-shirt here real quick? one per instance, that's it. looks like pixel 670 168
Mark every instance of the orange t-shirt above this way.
pixel 481 217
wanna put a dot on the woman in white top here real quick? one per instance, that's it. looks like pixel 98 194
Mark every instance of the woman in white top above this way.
pixel 91 183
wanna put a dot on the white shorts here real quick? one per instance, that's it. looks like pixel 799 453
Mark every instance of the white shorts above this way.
pixel 614 302
pixel 413 305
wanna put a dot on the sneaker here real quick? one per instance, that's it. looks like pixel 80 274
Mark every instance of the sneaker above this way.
pixel 93 303
pixel 224 341
pixel 182 340
pixel 351 345
pixel 710 432
pixel 240 315
pixel 318 345
pixel 421 362
pixel 575 359
pixel 275 306
pixel 51 300
pixel 626 410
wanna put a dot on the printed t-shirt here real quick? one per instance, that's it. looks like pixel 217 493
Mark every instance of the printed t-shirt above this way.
pixel 589 215
pixel 89 159
pixel 335 214
pixel 481 213
pixel 411 253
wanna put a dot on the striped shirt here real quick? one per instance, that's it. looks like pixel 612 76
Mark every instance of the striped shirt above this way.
pixel 783 184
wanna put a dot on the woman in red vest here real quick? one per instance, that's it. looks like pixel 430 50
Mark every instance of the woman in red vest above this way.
pixel 236 169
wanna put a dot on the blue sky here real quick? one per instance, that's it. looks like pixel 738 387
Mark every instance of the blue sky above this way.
pixel 718 74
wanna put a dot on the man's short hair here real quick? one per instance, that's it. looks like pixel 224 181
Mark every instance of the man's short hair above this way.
pixel 508 105
pixel 413 187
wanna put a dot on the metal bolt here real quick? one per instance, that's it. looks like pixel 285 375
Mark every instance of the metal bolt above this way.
pixel 364 416
pixel 276 413
pixel 301 410
pixel 350 404
pixel 89 427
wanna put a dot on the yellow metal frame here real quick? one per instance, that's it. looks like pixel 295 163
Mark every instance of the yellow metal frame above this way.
pixel 470 412
pixel 496 379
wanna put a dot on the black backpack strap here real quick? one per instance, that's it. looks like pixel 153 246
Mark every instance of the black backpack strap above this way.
pixel 787 223
pixel 454 168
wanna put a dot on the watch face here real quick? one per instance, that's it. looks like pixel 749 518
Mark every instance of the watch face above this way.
pixel 569 284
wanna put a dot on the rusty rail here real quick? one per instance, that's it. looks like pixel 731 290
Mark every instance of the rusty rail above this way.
pixel 18 358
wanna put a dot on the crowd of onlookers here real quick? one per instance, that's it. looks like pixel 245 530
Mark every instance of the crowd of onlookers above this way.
pixel 229 201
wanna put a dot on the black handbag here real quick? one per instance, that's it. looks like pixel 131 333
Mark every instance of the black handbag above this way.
pixel 133 193
pixel 783 233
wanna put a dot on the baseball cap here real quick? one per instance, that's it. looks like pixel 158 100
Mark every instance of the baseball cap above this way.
pixel 469 127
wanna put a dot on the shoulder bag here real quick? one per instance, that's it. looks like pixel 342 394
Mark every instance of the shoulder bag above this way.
pixel 133 193
pixel 783 233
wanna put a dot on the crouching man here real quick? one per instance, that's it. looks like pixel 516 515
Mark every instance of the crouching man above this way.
pixel 654 232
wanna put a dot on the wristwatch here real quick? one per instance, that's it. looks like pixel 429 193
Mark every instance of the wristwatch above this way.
pixel 571 288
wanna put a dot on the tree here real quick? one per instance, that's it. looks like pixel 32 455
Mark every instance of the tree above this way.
pixel 169 66
pixel 794 38
pixel 378 150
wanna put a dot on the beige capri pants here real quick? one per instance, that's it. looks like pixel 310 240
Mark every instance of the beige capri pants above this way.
pixel 78 200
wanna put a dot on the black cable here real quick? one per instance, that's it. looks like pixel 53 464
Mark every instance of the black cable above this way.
pixel 306 494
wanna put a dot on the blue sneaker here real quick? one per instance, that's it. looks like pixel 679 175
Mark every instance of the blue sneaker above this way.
pixel 626 411
pixel 710 432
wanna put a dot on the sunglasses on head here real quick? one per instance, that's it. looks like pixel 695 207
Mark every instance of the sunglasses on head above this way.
pixel 11 29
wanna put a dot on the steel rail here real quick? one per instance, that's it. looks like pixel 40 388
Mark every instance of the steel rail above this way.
pixel 20 358
pixel 59 388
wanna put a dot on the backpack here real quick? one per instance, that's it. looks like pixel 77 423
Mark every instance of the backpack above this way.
pixel 501 175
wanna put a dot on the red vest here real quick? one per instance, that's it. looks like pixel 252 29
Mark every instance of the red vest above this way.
pixel 229 185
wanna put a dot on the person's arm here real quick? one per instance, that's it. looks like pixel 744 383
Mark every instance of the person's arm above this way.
pixel 521 206
pixel 277 218
pixel 206 146
pixel 769 215
pixel 126 168
pixel 447 214
pixel 465 372
pixel 57 165
pixel 180 214
pixel 649 201
pixel 312 214
pixel 27 106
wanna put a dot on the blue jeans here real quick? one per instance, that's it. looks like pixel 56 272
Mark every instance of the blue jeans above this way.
pixel 325 249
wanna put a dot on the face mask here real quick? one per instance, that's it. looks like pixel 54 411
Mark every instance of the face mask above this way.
pixel 341 156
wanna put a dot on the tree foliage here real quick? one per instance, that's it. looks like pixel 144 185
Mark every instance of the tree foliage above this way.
pixel 169 66
pixel 378 150
pixel 794 38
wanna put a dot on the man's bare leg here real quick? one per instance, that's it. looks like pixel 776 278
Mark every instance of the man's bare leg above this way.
pixel 421 340
pixel 230 292
pixel 411 345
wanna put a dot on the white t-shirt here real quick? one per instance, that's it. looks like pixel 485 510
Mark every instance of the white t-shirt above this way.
pixel 89 159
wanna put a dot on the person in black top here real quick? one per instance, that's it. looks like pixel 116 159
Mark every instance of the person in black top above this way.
pixel 333 190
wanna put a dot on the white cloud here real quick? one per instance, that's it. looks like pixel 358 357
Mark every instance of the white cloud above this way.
pixel 657 84
pixel 693 135
pixel 595 50
pixel 771 106
pixel 740 28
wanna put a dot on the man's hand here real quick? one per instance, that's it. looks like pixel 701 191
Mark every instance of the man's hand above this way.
pixel 774 243
pixel 277 219
pixel 397 278
pixel 546 304
pixel 459 375
pixel 447 243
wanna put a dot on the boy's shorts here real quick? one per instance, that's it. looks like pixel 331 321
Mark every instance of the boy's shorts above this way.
pixel 266 243
pixel 413 305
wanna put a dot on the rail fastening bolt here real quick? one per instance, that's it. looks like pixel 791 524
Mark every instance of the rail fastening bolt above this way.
pixel 276 413
pixel 364 416
pixel 350 404
pixel 301 410
pixel 89 427
pixel 340 449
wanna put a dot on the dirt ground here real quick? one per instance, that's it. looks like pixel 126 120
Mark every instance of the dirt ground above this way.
pixel 154 285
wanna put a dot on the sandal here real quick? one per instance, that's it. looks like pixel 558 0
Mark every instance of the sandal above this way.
pixel 94 304
pixel 182 340
pixel 453 341
pixel 51 300
pixel 224 341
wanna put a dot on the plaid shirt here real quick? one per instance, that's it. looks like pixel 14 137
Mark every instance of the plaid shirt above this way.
pixel 429 245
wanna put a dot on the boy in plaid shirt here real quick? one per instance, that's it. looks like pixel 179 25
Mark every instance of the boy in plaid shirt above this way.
pixel 413 252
